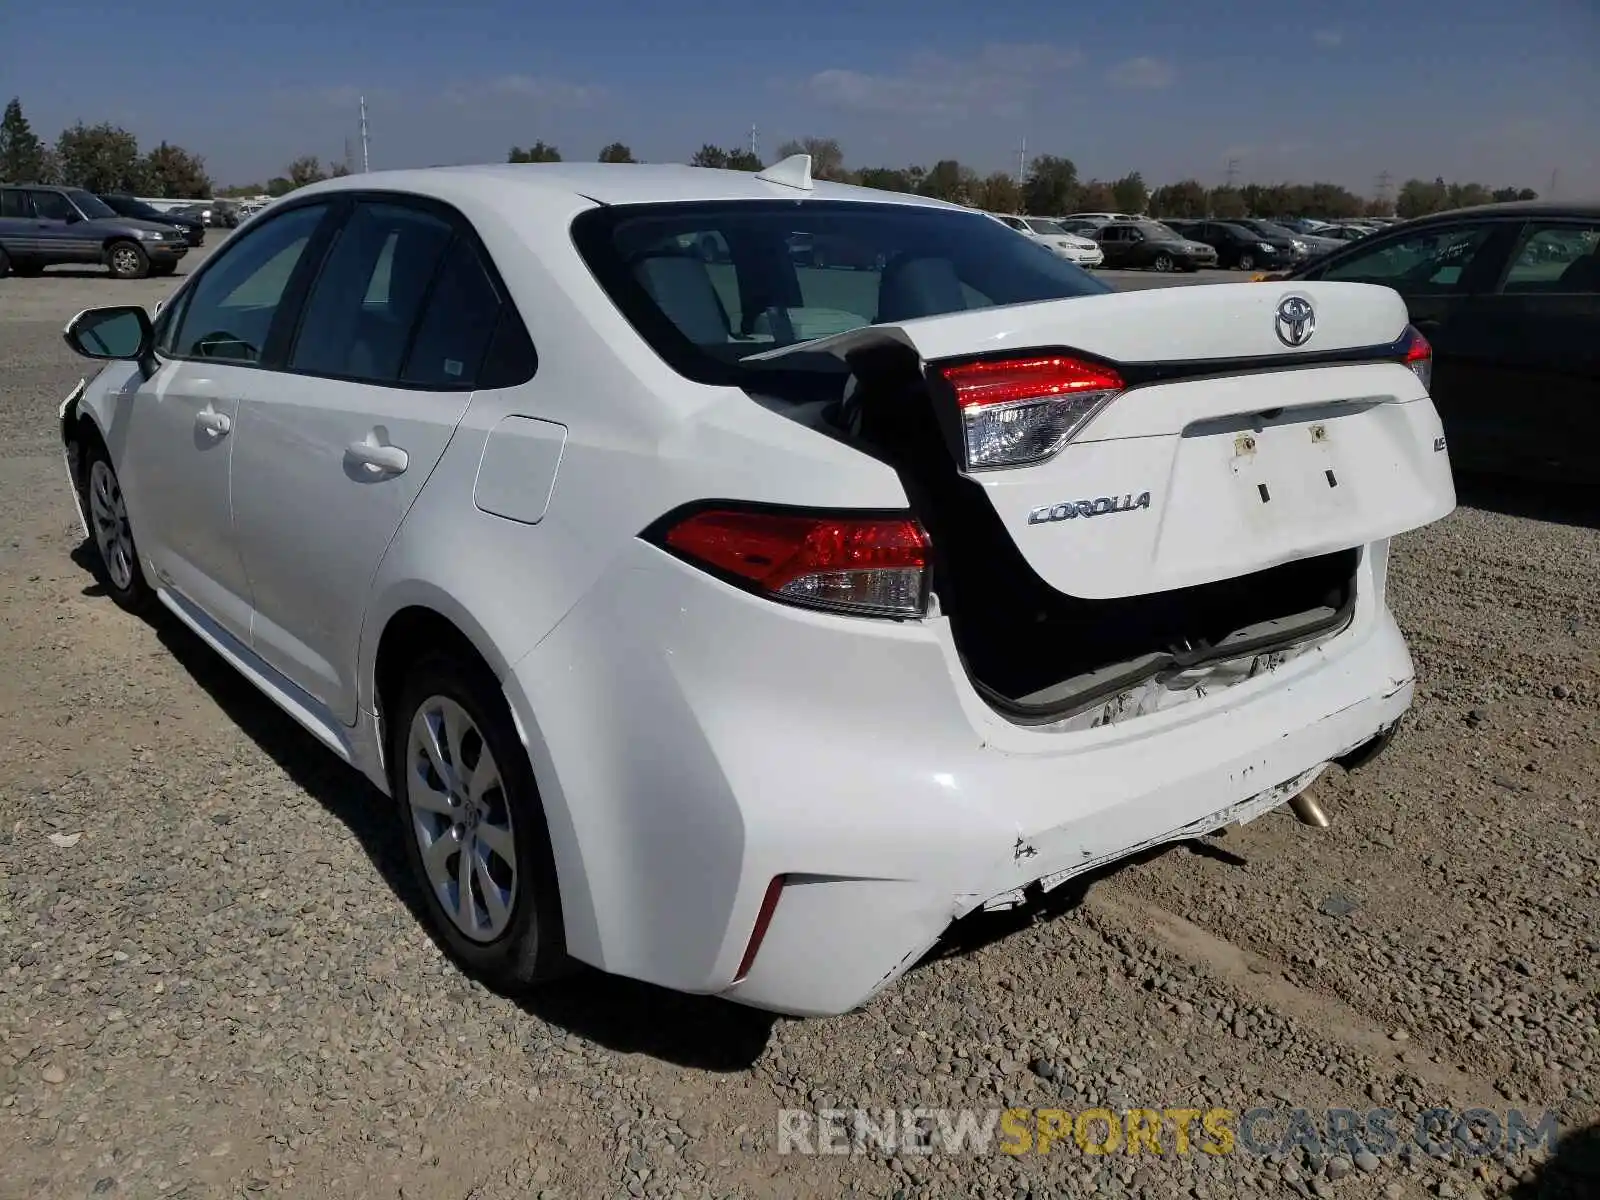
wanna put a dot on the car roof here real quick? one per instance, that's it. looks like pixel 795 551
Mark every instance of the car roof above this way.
pixel 1519 208
pixel 611 183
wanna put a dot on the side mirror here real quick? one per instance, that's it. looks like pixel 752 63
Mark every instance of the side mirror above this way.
pixel 73 216
pixel 120 332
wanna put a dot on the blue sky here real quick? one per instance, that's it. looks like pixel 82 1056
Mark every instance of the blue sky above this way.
pixel 1468 89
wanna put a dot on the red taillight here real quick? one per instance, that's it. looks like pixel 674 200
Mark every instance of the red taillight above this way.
pixel 1016 411
pixel 1419 356
pixel 876 566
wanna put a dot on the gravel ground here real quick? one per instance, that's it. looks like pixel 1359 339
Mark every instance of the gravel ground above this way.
pixel 213 981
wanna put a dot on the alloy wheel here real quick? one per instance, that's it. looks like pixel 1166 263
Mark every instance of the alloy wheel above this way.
pixel 460 818
pixel 112 534
pixel 125 260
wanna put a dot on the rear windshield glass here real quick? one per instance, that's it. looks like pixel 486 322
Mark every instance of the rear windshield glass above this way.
pixel 708 284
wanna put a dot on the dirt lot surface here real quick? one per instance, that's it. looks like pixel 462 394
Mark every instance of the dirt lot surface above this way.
pixel 213 981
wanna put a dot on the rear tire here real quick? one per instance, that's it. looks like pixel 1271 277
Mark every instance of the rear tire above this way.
pixel 477 818
pixel 116 554
pixel 163 268
pixel 127 260
pixel 5 264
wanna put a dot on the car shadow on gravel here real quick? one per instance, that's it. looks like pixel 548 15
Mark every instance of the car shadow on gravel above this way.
pixel 623 1015
pixel 1572 1173
pixel 1560 504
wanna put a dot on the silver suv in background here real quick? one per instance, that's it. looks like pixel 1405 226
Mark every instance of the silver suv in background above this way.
pixel 43 226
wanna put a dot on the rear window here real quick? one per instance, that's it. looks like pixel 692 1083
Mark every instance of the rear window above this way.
pixel 708 284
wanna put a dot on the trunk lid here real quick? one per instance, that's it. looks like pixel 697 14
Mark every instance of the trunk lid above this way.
pixel 1226 451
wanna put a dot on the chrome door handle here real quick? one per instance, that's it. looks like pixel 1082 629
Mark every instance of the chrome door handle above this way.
pixel 380 459
pixel 213 422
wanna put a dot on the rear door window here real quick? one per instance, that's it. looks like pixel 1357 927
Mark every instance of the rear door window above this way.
pixel 53 206
pixel 14 203
pixel 359 316
pixel 1554 258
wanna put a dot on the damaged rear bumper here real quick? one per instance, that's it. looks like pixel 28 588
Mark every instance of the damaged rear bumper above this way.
pixel 833 944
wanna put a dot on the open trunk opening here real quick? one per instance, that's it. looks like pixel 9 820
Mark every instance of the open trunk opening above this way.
pixel 1037 654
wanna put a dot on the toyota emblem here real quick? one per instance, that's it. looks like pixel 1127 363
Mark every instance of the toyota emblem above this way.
pixel 1295 322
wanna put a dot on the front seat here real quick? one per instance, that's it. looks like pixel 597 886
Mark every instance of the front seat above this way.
pixel 919 287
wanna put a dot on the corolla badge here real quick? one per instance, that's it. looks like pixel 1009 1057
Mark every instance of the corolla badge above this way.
pixel 1071 509
pixel 1295 321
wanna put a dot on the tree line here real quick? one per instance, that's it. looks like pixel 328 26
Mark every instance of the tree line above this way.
pixel 101 158
pixel 105 158
pixel 1052 187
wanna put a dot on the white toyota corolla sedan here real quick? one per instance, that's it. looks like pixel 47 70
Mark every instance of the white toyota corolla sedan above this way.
pixel 737 624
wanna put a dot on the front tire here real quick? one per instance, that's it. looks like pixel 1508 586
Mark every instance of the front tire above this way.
pixel 473 826
pixel 116 562
pixel 1163 263
pixel 5 263
pixel 127 260
pixel 1247 262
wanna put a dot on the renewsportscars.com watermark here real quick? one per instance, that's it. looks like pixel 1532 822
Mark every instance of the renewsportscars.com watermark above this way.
pixel 1473 1132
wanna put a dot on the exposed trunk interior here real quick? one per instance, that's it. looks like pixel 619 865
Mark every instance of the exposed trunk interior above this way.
pixel 1038 655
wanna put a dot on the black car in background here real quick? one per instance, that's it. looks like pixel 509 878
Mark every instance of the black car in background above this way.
pixel 1509 295
pixel 1151 244
pixel 194 229
pixel 1237 246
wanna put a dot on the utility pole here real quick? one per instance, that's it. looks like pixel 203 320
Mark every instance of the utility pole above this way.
pixel 347 154
pixel 1022 160
pixel 1555 176
pixel 753 153
pixel 1233 172
pixel 1383 181
pixel 366 164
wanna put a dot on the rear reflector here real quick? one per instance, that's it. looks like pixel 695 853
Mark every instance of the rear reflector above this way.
pixel 873 566
pixel 1419 356
pixel 1016 411
pixel 769 905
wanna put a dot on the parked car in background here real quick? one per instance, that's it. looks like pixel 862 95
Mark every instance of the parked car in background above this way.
pixel 215 214
pixel 43 226
pixel 1237 246
pixel 1344 233
pixel 729 660
pixel 1138 244
pixel 820 251
pixel 1074 247
pixel 1305 246
pixel 193 228
pixel 1098 216
pixel 1304 225
pixel 1509 296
